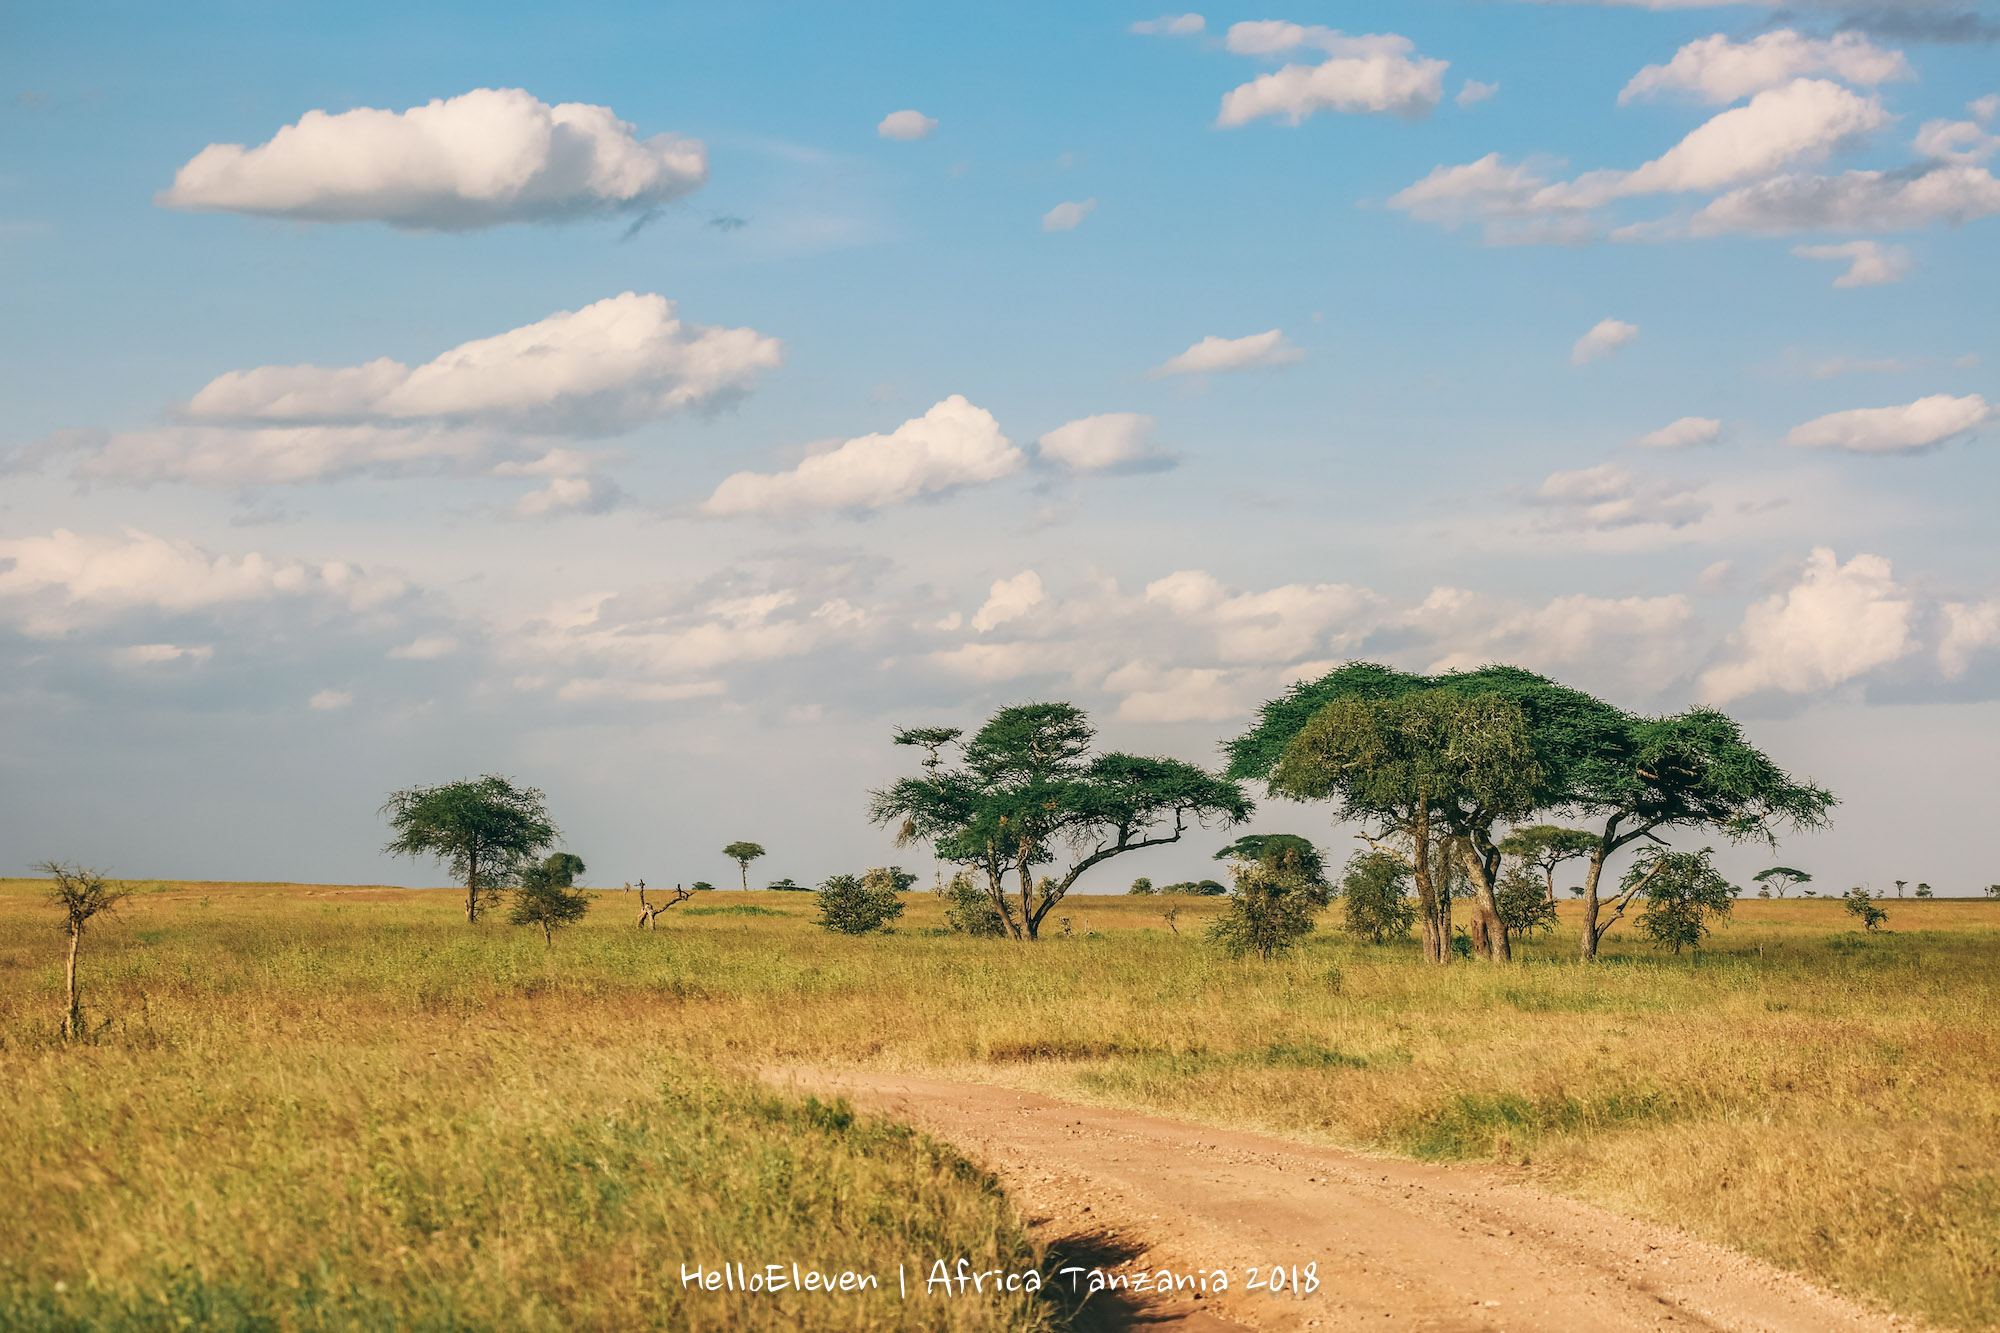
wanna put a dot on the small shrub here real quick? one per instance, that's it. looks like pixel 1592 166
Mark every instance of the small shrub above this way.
pixel 785 886
pixel 970 912
pixel 1141 885
pixel 703 886
pixel 1924 891
pixel 544 895
pixel 1524 904
pixel 1859 904
pixel 893 878
pixel 1684 892
pixel 1197 888
pixel 847 906
pixel 1375 898
pixel 1268 915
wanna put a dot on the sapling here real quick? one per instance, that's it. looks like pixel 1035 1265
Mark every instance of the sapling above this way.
pixel 79 894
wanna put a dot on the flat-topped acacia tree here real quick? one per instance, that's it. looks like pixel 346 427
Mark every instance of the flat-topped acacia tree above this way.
pixel 743 853
pixel 1635 777
pixel 1028 792
pixel 484 828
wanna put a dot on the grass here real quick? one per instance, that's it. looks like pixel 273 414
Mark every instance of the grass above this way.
pixel 348 1108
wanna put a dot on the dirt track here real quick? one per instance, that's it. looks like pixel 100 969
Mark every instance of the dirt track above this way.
pixel 1398 1245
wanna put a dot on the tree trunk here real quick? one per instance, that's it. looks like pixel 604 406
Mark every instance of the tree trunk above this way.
pixel 1489 935
pixel 547 938
pixel 744 866
pixel 472 890
pixel 1031 922
pixel 1591 875
pixel 73 1013
pixel 1435 910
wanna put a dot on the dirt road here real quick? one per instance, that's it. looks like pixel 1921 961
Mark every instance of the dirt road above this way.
pixel 1395 1245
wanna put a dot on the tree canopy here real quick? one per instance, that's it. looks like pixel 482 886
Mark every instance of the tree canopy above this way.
pixel 545 895
pixel 1028 792
pixel 483 828
pixel 743 853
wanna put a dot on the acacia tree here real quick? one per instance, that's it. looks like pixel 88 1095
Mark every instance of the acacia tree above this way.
pixel 484 828
pixel 743 853
pixel 1285 852
pixel 1545 847
pixel 1027 792
pixel 545 895
pixel 79 894
pixel 1412 766
pixel 1780 878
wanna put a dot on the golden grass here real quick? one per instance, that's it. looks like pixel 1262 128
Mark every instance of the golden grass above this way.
pixel 1810 1095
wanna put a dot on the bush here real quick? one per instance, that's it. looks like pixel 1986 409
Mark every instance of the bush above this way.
pixel 1861 905
pixel 703 886
pixel 785 886
pixel 1268 915
pixel 1524 904
pixel 849 907
pixel 544 896
pixel 1375 898
pixel 968 911
pixel 1203 888
pixel 1141 885
pixel 1684 892
pixel 893 878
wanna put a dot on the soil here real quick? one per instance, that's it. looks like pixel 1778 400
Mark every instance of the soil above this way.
pixel 1395 1244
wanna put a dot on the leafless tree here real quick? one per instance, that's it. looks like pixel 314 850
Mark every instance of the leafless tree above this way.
pixel 647 911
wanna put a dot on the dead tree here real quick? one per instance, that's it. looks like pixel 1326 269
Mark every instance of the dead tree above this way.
pixel 647 911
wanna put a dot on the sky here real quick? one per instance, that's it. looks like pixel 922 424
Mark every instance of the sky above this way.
pixel 662 403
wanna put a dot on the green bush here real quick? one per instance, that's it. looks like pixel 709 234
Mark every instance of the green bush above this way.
pixel 847 906
pixel 1375 898
pixel 1524 904
pixel 1268 915
pixel 968 911
pixel 1142 885
pixel 1684 892
pixel 1861 905
pixel 785 886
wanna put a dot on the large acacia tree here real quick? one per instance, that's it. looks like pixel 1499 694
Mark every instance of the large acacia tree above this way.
pixel 1635 778
pixel 1028 793
pixel 485 829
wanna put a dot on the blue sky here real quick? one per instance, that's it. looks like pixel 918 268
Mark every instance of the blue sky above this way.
pixel 1149 364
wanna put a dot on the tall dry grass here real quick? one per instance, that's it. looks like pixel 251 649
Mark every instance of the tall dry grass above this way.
pixel 1817 1097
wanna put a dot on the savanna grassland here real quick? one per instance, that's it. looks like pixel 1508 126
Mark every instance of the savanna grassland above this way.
pixel 318 1107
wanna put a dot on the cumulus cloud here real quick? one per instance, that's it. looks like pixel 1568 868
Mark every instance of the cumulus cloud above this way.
pixel 1608 496
pixel 1108 442
pixel 954 444
pixel 1371 73
pixel 1605 337
pixel 1683 434
pixel 906 125
pixel 1869 263
pixel 1908 429
pixel 1009 599
pixel 1475 92
pixel 1837 623
pixel 1906 200
pixel 1964 142
pixel 50 585
pixel 1213 354
pixel 487 157
pixel 600 370
pixel 1969 629
pixel 1646 636
pixel 1717 70
pixel 570 495
pixel 327 701
pixel 1170 25
pixel 1067 216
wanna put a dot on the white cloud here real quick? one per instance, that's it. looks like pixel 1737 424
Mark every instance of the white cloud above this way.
pixel 570 495
pixel 1907 429
pixel 1718 71
pixel 1869 263
pixel 906 125
pixel 606 368
pixel 1009 599
pixel 426 648
pixel 1170 25
pixel 1067 216
pixel 1372 73
pixel 1683 434
pixel 1108 442
pixel 1608 496
pixel 1985 109
pixel 1646 637
pixel 1855 201
pixel 1213 354
pixel 1475 92
pixel 327 701
pixel 1604 338
pixel 52 584
pixel 490 156
pixel 149 654
pixel 954 444
pixel 1837 623
pixel 1968 629
pixel 1963 142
